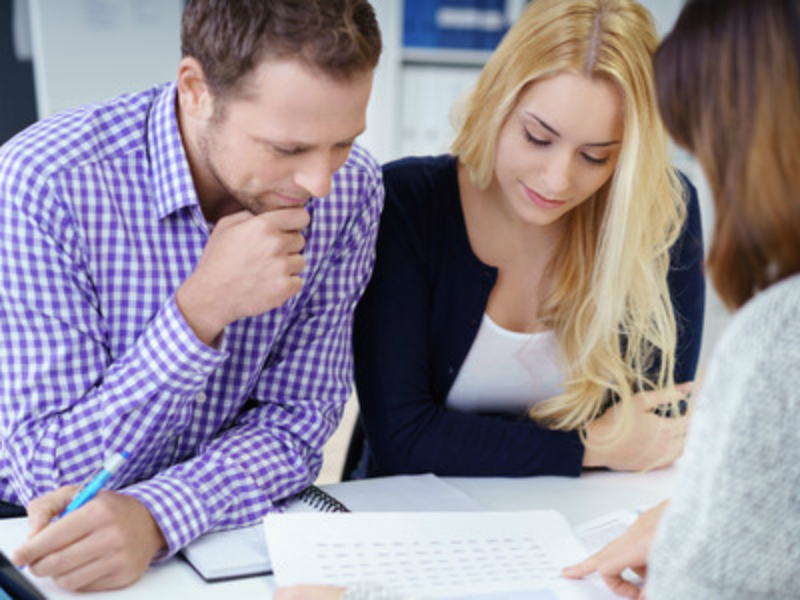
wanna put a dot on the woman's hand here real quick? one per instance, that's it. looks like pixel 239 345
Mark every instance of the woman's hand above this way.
pixel 651 440
pixel 629 551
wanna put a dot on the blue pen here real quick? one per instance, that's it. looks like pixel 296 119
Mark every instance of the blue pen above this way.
pixel 88 492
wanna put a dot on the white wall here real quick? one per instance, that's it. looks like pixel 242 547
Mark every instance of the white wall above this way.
pixel 381 134
pixel 88 50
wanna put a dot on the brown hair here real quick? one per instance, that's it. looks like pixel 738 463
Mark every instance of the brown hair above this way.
pixel 729 91
pixel 229 38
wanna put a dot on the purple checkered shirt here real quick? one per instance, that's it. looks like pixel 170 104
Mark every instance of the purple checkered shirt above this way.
pixel 100 224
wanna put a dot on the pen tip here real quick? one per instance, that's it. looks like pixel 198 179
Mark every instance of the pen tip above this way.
pixel 124 454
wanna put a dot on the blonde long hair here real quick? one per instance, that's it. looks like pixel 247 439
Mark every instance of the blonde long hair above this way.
pixel 605 293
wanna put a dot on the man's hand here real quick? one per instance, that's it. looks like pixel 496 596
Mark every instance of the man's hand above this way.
pixel 650 441
pixel 251 264
pixel 629 551
pixel 108 543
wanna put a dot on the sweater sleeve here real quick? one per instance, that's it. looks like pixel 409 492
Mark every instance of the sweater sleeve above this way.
pixel 732 527
pixel 408 425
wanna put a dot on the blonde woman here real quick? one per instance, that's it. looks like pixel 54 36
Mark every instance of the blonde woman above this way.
pixel 538 293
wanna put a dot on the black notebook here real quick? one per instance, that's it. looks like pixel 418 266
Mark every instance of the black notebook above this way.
pixel 236 553
pixel 319 500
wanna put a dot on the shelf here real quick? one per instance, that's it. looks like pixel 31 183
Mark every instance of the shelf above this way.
pixel 445 56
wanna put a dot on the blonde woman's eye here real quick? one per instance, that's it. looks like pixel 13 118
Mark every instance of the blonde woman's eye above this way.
pixel 534 140
pixel 595 161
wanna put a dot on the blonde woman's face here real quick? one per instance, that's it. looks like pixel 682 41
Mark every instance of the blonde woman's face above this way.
pixel 559 145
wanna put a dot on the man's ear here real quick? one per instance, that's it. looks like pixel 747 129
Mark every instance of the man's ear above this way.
pixel 194 95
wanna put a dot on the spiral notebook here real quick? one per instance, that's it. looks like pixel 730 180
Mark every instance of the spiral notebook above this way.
pixel 243 552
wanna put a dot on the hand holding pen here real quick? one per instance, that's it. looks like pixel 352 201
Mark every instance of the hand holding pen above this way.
pixel 108 543
pixel 90 490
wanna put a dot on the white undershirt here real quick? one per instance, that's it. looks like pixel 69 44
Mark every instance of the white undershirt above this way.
pixel 506 371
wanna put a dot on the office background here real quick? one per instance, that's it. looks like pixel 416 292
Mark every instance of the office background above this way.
pixel 57 54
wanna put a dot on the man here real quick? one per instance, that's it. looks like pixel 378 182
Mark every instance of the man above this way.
pixel 179 270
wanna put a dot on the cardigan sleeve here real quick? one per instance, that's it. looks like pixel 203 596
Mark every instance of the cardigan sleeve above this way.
pixel 687 286
pixel 408 425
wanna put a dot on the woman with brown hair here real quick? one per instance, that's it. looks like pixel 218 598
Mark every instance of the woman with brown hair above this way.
pixel 728 80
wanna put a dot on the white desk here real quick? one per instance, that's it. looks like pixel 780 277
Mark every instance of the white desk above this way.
pixel 579 499
pixel 593 495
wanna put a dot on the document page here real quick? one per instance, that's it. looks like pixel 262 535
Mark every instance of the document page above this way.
pixel 436 555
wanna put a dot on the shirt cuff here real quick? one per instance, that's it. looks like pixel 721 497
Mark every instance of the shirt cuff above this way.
pixel 176 509
pixel 181 357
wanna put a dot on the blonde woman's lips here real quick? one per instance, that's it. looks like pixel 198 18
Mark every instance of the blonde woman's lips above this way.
pixel 541 201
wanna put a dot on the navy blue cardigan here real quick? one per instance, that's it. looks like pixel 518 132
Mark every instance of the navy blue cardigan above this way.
pixel 419 317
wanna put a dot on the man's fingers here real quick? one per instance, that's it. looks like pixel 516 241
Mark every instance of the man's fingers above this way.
pixel 293 286
pixel 295 243
pixel 93 575
pixel 64 559
pixel 295 264
pixel 288 219
pixel 285 219
pixel 234 219
pixel 57 536
pixel 44 509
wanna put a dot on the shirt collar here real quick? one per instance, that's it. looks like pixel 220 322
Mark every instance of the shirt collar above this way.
pixel 173 186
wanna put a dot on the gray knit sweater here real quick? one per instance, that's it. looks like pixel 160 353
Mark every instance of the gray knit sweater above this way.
pixel 732 530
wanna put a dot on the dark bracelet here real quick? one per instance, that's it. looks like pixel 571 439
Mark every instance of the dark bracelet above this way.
pixel 667 410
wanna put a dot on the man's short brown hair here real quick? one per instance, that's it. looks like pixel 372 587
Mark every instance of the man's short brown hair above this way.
pixel 229 38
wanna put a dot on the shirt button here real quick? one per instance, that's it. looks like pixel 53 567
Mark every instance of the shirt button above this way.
pixel 200 398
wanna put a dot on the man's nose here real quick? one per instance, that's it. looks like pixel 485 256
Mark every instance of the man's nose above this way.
pixel 315 175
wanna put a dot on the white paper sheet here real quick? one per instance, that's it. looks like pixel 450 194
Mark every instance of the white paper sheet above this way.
pixel 434 555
